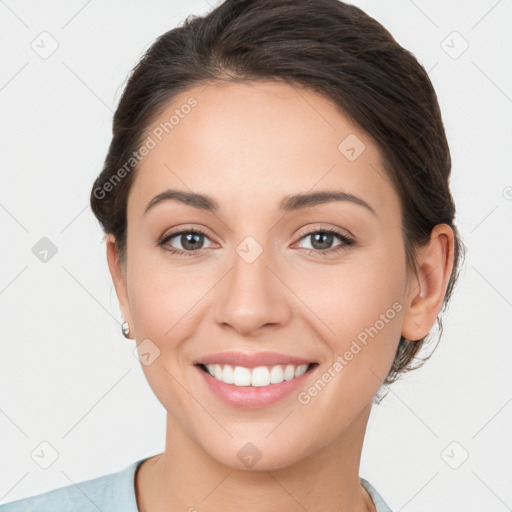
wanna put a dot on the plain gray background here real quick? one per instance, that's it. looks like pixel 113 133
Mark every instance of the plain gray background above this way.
pixel 69 378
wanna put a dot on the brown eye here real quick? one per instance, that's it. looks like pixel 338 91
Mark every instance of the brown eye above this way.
pixel 188 242
pixel 323 239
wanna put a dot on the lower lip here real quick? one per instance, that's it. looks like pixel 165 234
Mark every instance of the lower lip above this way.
pixel 251 397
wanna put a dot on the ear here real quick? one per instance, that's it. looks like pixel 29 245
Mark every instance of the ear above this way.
pixel 118 273
pixel 427 287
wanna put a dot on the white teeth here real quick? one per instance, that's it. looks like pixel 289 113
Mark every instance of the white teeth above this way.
pixel 228 375
pixel 289 372
pixel 258 377
pixel 276 375
pixel 241 377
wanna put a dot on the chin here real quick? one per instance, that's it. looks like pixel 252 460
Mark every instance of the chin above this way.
pixel 257 455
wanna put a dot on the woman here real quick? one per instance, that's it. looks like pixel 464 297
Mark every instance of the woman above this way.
pixel 280 233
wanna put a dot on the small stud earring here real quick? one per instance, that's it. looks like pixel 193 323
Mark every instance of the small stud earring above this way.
pixel 125 328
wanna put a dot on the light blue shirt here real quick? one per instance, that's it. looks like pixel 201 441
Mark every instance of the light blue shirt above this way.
pixel 111 493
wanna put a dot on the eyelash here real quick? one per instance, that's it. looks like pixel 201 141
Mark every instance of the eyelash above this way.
pixel 347 241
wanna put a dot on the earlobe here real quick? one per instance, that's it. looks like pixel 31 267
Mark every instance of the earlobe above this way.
pixel 428 286
pixel 118 274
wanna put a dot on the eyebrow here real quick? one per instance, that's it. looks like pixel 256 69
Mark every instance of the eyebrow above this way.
pixel 287 204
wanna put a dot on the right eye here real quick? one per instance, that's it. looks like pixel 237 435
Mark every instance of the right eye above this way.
pixel 190 241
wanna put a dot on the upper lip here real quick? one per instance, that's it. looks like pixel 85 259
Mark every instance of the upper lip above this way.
pixel 251 360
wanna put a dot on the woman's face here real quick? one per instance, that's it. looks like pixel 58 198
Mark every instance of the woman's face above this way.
pixel 257 280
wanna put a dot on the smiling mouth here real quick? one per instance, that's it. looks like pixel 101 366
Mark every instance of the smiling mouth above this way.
pixel 259 376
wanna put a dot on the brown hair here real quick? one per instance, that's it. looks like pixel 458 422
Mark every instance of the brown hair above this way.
pixel 329 47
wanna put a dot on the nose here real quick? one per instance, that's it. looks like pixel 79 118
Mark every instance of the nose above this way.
pixel 252 296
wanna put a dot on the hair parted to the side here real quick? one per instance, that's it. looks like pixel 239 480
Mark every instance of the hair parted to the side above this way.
pixel 329 47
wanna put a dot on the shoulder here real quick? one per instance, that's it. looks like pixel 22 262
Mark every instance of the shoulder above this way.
pixel 380 504
pixel 112 492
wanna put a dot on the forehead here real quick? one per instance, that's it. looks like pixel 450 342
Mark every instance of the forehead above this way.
pixel 255 143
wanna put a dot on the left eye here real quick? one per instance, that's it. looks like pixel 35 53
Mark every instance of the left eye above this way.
pixel 322 240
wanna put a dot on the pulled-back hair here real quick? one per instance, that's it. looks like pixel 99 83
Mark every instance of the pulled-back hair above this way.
pixel 328 47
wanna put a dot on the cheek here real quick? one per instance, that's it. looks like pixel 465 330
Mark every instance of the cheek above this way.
pixel 161 303
pixel 162 295
pixel 351 296
pixel 363 304
pixel 371 300
pixel 364 312
pixel 155 306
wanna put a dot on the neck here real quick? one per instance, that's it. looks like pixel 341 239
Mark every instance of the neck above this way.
pixel 185 477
